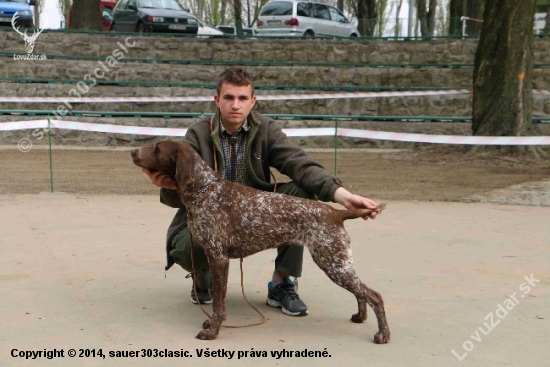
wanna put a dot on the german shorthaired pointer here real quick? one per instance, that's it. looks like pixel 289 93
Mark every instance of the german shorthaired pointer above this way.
pixel 233 221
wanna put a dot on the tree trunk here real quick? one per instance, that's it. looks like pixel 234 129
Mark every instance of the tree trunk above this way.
pixel 502 101
pixel 397 29
pixel 366 17
pixel 237 7
pixel 426 16
pixel 466 8
pixel 340 5
pixel 86 15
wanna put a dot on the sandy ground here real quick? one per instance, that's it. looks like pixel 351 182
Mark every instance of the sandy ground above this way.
pixel 85 269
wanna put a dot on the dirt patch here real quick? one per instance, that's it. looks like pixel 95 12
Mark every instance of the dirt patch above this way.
pixel 426 175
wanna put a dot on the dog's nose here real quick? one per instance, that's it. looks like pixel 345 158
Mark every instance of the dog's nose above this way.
pixel 135 154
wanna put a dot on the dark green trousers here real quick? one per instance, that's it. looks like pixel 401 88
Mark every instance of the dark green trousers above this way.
pixel 289 258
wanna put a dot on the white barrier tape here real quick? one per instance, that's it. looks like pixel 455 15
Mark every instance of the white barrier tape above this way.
pixel 446 139
pixel 23 125
pixel 343 132
pixel 106 128
pixel 278 97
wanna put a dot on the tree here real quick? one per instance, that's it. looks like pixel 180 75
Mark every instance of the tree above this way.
pixel 238 9
pixel 466 8
pixel 365 11
pixel 502 101
pixel 85 15
pixel 426 16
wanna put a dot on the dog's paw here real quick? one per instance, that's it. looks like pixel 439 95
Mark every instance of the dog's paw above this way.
pixel 206 324
pixel 381 337
pixel 358 319
pixel 206 335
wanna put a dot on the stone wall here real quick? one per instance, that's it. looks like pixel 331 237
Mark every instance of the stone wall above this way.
pixel 251 50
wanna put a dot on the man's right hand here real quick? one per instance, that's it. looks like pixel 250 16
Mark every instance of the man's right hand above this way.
pixel 160 179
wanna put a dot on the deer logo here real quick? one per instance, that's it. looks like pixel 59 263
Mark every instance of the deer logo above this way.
pixel 29 40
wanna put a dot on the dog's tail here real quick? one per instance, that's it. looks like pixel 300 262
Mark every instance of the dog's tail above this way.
pixel 360 213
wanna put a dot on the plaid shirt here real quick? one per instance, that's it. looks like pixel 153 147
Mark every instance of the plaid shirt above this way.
pixel 234 166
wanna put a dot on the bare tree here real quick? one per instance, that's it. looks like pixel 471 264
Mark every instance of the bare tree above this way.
pixel 397 29
pixel 502 101
pixel 426 17
pixel 238 9
pixel 365 11
pixel 85 15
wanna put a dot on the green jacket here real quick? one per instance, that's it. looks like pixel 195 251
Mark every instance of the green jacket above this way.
pixel 266 146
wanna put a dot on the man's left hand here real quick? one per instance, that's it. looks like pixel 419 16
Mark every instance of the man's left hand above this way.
pixel 352 202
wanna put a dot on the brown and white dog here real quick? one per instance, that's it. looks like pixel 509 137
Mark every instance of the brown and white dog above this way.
pixel 232 221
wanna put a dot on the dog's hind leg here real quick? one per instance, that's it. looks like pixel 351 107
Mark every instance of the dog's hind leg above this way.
pixel 219 270
pixel 338 266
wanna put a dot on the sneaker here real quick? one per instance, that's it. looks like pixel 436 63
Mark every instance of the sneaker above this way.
pixel 204 295
pixel 284 295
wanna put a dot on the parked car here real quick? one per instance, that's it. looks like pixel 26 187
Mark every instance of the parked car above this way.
pixel 232 30
pixel 153 16
pixel 206 30
pixel 302 18
pixel 106 8
pixel 23 9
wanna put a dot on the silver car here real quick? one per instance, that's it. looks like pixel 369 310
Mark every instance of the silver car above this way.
pixel 302 19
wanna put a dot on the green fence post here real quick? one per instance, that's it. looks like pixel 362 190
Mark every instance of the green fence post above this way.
pixel 335 146
pixel 50 149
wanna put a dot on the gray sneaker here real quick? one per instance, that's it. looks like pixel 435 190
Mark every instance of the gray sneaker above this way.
pixel 205 296
pixel 284 296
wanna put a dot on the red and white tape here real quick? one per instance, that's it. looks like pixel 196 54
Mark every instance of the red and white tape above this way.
pixel 355 133
pixel 275 97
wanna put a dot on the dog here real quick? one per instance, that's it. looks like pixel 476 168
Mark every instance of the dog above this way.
pixel 232 221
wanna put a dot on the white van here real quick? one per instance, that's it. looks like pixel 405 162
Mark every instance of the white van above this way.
pixel 302 19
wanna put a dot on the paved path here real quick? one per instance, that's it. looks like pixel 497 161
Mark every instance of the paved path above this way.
pixel 87 273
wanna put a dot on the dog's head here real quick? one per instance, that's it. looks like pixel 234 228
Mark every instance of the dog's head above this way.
pixel 172 158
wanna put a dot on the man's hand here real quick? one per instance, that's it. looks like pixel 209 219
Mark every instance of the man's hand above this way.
pixel 160 179
pixel 352 202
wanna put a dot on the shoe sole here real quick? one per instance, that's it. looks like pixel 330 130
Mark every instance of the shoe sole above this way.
pixel 202 303
pixel 277 304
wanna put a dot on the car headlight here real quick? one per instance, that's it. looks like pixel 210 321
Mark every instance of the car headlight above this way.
pixel 156 19
pixel 24 12
pixel 192 21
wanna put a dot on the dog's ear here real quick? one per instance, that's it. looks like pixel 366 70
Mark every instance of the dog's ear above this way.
pixel 184 161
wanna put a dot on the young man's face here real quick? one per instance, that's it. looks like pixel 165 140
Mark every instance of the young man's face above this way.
pixel 235 103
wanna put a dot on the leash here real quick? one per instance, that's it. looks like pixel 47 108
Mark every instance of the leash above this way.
pixel 241 259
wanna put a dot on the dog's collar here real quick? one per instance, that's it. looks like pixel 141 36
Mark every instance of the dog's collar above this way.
pixel 203 190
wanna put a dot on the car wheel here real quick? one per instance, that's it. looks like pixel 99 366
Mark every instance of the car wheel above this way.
pixel 353 35
pixel 309 34
pixel 141 28
pixel 113 27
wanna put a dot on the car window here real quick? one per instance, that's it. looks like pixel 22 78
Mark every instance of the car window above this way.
pixel 336 15
pixel 320 11
pixel 122 5
pixel 304 10
pixel 226 29
pixel 106 13
pixel 131 2
pixel 277 8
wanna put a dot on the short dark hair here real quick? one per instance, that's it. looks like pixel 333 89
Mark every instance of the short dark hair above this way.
pixel 237 76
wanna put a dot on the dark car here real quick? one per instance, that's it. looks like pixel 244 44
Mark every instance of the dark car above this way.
pixel 24 16
pixel 166 16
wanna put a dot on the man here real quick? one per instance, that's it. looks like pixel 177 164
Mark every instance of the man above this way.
pixel 246 145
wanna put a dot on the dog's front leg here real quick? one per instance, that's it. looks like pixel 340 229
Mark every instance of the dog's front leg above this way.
pixel 219 270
